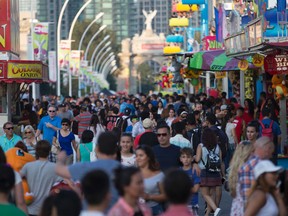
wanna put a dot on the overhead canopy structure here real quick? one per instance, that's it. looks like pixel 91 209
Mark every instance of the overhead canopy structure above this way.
pixel 215 60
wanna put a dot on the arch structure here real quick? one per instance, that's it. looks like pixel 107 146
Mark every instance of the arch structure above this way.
pixel 145 47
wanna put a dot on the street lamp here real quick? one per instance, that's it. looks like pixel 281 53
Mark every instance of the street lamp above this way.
pixel 58 42
pixel 97 47
pixel 107 61
pixel 98 16
pixel 95 65
pixel 91 40
pixel 106 68
pixel 113 69
pixel 69 39
pixel 104 61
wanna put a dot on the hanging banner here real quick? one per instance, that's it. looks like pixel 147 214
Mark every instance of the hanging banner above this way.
pixel 64 51
pixel 52 66
pixel 74 62
pixel 40 41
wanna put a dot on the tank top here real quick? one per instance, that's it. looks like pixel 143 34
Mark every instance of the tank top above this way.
pixel 204 155
pixel 85 151
pixel 270 208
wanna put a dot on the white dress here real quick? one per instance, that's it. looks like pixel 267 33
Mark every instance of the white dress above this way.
pixel 237 208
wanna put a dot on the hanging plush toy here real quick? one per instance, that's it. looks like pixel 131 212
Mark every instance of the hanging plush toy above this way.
pixel 175 69
pixel 165 81
pixel 279 84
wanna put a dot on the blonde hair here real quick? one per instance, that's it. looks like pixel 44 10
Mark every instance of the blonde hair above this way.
pixel 29 127
pixel 241 155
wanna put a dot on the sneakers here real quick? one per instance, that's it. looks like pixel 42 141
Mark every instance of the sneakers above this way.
pixel 217 212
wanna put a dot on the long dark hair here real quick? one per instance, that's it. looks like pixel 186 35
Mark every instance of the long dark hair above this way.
pixel 152 163
pixel 209 138
pixel 250 106
pixel 123 178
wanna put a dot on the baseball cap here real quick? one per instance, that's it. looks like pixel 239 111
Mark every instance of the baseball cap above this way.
pixel 147 123
pixel 265 166
pixel 223 107
pixel 127 111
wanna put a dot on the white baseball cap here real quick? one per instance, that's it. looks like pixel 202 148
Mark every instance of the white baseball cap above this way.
pixel 264 166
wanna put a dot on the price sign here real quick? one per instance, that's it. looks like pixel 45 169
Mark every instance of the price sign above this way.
pixel 243 64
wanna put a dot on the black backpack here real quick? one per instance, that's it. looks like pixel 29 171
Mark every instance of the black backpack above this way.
pixel 121 123
pixel 213 161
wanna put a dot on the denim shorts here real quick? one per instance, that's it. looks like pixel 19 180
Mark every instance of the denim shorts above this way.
pixel 157 210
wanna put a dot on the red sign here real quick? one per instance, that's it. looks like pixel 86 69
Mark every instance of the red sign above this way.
pixel 9 26
pixel 276 63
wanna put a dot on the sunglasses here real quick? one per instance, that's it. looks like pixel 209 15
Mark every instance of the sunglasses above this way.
pixel 10 128
pixel 65 124
pixel 28 132
pixel 162 134
pixel 52 111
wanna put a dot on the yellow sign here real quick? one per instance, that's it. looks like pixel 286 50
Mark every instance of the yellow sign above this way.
pixel 26 71
pixel 243 64
pixel 220 75
pixel 258 60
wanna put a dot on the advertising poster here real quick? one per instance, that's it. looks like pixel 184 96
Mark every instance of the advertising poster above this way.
pixel 52 66
pixel 64 51
pixel 40 41
pixel 74 62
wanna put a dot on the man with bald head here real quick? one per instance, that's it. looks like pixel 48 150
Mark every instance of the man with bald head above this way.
pixel 264 149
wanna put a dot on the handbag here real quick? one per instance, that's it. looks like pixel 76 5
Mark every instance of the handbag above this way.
pixel 92 153
pixel 56 148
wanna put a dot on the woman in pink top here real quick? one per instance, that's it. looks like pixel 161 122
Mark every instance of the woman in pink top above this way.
pixel 130 186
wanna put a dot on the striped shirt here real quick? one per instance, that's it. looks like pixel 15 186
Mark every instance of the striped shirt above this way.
pixel 83 122
pixel 246 177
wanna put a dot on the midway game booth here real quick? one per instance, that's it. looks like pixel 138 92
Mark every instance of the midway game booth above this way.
pixel 15 77
pixel 264 42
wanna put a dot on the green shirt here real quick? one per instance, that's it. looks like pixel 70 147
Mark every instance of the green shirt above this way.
pixel 9 210
pixel 85 149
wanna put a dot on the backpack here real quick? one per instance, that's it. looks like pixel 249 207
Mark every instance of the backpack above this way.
pixel 121 123
pixel 111 122
pixel 268 132
pixel 195 140
pixel 222 140
pixel 213 161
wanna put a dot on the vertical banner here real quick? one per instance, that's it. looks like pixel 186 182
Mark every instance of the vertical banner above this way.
pixel 40 41
pixel 74 62
pixel 52 66
pixel 64 51
pixel 83 73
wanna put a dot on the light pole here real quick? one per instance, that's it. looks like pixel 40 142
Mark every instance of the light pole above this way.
pixel 110 56
pixel 105 62
pixel 104 54
pixel 98 16
pixel 97 47
pixel 108 64
pixel 91 40
pixel 58 42
pixel 69 39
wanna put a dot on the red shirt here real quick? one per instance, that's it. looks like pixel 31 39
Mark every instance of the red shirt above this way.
pixel 247 117
pixel 238 121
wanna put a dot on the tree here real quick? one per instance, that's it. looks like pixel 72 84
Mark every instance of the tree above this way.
pixel 145 78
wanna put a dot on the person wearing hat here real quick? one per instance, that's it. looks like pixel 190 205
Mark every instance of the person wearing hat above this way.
pixel 265 198
pixel 64 112
pixel 148 137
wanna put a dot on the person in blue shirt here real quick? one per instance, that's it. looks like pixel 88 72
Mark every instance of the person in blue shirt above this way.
pixel 48 125
pixel 9 139
pixel 276 131
pixel 186 158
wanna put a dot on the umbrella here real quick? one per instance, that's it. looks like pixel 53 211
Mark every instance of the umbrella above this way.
pixel 106 92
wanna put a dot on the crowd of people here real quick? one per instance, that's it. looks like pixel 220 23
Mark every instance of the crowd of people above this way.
pixel 142 155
